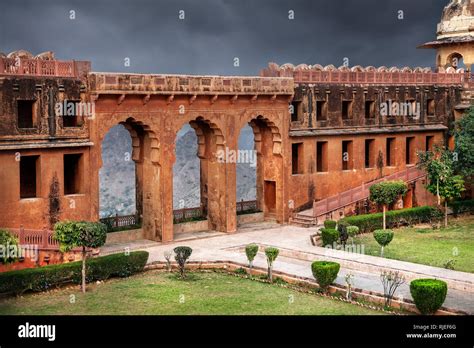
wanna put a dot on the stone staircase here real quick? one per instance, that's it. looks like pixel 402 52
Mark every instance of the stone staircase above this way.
pixel 323 208
pixel 302 219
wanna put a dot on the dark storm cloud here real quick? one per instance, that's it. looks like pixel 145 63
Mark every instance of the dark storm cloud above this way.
pixel 368 32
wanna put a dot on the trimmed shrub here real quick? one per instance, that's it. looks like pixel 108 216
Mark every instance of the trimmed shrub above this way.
pixel 47 277
pixel 181 255
pixel 395 218
pixel 428 294
pixel 329 236
pixel 251 251
pixel 352 231
pixel 7 241
pixel 460 207
pixel 331 224
pixel 272 254
pixel 342 229
pixel 383 237
pixel 325 272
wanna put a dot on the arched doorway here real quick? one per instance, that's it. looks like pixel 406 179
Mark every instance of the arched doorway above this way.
pixel 246 172
pixel 187 203
pixel 117 179
pixel 203 139
pixel 130 166
pixel 269 169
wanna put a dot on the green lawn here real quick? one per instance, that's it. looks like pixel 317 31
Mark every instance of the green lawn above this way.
pixel 428 246
pixel 161 293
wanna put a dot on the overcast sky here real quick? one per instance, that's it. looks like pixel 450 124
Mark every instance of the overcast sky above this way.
pixel 214 32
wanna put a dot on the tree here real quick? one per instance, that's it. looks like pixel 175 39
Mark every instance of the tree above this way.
pixel 272 254
pixel 391 281
pixel 439 165
pixel 84 234
pixel 181 255
pixel 251 251
pixel 464 145
pixel 383 237
pixel 386 193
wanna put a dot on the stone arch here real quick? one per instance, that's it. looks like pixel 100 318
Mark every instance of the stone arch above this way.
pixel 136 128
pixel 146 154
pixel 269 145
pixel 257 124
pixel 199 124
pixel 455 60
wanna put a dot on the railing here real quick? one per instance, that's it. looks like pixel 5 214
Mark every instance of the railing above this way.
pixel 246 206
pixel 37 67
pixel 185 214
pixel 121 221
pixel 349 197
pixel 41 238
pixel 369 77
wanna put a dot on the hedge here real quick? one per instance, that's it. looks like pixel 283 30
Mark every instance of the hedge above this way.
pixel 331 224
pixel 47 277
pixel 428 294
pixel 460 207
pixel 395 218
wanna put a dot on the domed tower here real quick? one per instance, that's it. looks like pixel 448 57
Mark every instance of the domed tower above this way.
pixel 455 40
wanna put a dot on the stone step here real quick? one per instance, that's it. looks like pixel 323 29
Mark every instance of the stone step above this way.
pixel 304 221
pixel 304 217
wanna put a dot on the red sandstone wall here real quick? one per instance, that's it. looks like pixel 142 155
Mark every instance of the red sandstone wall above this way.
pixel 313 185
pixel 33 212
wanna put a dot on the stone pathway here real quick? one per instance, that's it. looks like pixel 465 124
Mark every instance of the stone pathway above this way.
pixel 297 253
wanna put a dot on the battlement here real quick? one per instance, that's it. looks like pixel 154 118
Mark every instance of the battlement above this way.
pixel 317 74
pixel 23 63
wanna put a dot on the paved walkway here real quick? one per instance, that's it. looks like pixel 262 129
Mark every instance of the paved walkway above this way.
pixel 297 253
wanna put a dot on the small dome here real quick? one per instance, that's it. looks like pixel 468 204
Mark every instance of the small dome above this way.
pixel 457 19
pixel 22 54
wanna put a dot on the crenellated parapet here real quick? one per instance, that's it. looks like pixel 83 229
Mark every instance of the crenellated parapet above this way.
pixel 24 63
pixel 317 74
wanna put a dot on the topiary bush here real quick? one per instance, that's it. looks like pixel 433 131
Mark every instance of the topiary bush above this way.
pixel 8 242
pixel 428 294
pixel 272 254
pixel 325 273
pixel 331 224
pixel 251 251
pixel 329 236
pixel 181 255
pixel 352 231
pixel 47 277
pixel 383 237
